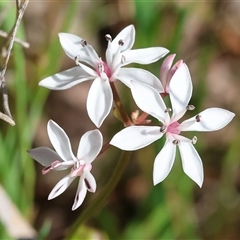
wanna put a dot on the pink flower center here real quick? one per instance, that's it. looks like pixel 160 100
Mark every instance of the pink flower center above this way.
pixel 173 128
pixel 103 68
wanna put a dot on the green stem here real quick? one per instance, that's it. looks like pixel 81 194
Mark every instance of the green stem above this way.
pixel 100 200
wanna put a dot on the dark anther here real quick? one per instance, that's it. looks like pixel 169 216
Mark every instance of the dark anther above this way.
pixel 194 140
pixel 190 107
pixel 121 42
pixel 108 37
pixel 83 42
pixel 163 129
pixel 176 142
pixel 87 183
pixel 198 118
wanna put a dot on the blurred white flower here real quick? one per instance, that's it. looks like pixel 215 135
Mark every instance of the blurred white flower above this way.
pixel 180 92
pixel 92 67
pixel 89 147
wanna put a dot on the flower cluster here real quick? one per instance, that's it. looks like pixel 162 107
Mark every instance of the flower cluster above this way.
pixel 148 93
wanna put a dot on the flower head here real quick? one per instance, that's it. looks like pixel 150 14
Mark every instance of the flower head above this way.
pixel 180 91
pixel 91 67
pixel 89 146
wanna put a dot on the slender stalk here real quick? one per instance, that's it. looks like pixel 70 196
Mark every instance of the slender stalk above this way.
pixel 126 120
pixel 100 200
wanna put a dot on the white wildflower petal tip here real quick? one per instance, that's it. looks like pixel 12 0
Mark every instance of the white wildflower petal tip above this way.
pixel 211 119
pixel 145 55
pixel 90 145
pixel 44 155
pixel 61 186
pixel 136 137
pixel 60 141
pixel 163 162
pixel 180 90
pixel 191 162
pixel 65 79
pixel 149 100
pixel 99 101
pixel 80 194
pixel 141 76
pixel 166 66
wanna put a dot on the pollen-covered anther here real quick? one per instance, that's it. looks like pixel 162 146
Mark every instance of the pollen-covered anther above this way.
pixel 77 59
pixel 168 110
pixel 120 42
pixel 123 59
pixel 176 142
pixel 87 183
pixel 194 140
pixel 190 107
pixel 83 42
pixel 198 118
pixel 163 129
pixel 108 37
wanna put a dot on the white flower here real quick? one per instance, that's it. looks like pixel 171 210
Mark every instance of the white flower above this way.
pixel 89 146
pixel 180 91
pixel 92 67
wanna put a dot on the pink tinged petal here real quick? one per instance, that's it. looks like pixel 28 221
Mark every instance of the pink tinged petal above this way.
pixel 166 65
pixel 128 37
pixel 90 145
pixel 136 137
pixel 66 79
pixel 89 180
pixel 191 162
pixel 211 119
pixel 80 195
pixel 61 186
pixel 74 46
pixel 60 141
pixel 149 101
pixel 180 91
pixel 144 55
pixel 99 101
pixel 163 162
pixel 44 155
pixel 139 75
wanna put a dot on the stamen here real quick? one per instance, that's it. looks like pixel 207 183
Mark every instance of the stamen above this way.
pixel 120 42
pixel 198 118
pixel 108 37
pixel 87 183
pixel 163 129
pixel 83 42
pixel 190 107
pixel 100 68
pixel 123 59
pixel 77 59
pixel 176 142
pixel 168 110
pixel 194 140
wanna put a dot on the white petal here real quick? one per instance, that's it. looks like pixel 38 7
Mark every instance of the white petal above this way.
pixel 144 55
pixel 180 90
pixel 60 141
pixel 99 101
pixel 66 79
pixel 136 137
pixel 163 162
pixel 90 145
pixel 61 186
pixel 211 119
pixel 139 75
pixel 73 47
pixel 44 155
pixel 128 37
pixel 191 162
pixel 80 194
pixel 149 101
pixel 90 180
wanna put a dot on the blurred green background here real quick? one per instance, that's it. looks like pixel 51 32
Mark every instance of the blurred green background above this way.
pixel 206 35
